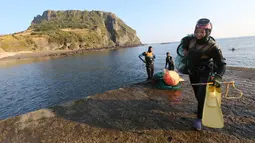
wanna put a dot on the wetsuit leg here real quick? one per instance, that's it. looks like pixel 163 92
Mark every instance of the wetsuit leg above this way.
pixel 148 71
pixel 152 71
pixel 201 97
pixel 172 67
pixel 199 91
pixel 194 79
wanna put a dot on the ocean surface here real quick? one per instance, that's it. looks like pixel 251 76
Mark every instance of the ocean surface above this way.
pixel 28 86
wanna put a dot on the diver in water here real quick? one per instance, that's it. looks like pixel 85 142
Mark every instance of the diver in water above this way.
pixel 149 61
pixel 169 62
pixel 204 61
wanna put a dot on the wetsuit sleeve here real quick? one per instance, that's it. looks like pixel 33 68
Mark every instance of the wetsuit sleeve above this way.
pixel 185 42
pixel 166 62
pixel 219 60
pixel 141 55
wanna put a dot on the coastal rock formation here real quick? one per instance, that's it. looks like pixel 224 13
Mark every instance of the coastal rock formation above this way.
pixel 72 29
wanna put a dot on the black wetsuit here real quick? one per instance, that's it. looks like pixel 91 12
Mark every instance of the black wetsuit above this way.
pixel 204 58
pixel 169 63
pixel 149 60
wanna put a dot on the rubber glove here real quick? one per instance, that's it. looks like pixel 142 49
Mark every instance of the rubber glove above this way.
pixel 216 79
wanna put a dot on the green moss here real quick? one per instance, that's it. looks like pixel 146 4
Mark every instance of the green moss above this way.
pixel 69 28
pixel 16 43
pixel 69 19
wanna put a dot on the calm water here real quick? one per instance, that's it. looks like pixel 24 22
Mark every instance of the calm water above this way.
pixel 30 86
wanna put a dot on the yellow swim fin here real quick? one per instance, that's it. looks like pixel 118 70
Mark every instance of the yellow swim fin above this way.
pixel 212 114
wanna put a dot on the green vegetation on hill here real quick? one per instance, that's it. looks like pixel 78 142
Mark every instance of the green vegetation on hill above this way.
pixel 51 20
pixel 16 42
pixel 72 29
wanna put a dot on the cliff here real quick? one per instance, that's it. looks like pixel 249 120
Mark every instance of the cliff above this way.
pixel 71 29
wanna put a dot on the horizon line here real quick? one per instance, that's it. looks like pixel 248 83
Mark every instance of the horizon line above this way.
pixel 219 38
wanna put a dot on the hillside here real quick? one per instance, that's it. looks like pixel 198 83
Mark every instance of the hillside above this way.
pixel 71 29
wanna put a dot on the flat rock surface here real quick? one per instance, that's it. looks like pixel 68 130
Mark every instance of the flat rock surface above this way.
pixel 139 113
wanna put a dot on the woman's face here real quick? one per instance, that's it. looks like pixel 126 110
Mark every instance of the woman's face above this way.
pixel 200 33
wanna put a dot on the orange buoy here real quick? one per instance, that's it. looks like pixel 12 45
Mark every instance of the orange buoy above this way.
pixel 171 78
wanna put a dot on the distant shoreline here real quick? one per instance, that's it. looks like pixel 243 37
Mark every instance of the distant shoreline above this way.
pixel 220 38
pixel 6 56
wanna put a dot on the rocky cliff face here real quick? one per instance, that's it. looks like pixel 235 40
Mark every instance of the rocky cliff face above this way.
pixel 72 29
pixel 106 25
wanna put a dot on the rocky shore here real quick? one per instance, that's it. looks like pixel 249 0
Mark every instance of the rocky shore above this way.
pixel 139 113
pixel 5 56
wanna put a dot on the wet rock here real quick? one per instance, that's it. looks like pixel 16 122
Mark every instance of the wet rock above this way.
pixel 131 115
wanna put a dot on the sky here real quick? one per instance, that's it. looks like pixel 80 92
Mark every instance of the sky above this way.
pixel 155 21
